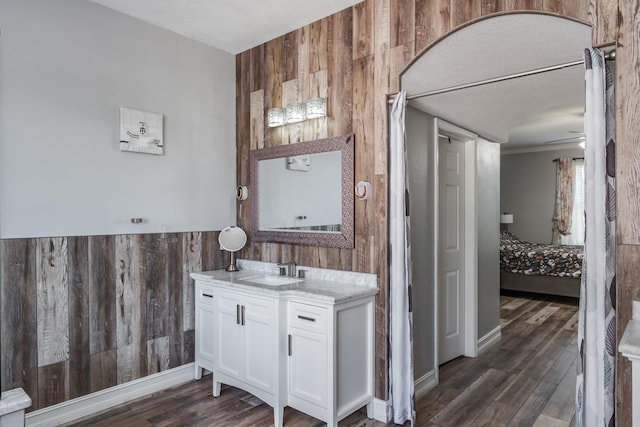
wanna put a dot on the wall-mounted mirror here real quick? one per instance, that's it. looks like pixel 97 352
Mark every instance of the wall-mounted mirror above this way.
pixel 303 193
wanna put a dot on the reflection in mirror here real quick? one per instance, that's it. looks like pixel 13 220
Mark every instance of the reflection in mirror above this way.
pixel 301 193
pixel 304 193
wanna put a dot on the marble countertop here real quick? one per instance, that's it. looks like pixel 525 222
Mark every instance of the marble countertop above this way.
pixel 331 286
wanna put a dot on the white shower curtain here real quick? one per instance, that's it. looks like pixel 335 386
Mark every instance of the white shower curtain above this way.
pixel 595 398
pixel 401 387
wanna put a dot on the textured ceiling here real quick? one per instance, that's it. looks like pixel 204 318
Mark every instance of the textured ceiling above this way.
pixel 526 111
pixel 233 26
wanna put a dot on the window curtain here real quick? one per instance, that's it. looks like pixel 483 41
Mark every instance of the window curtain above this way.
pixel 576 236
pixel 401 386
pixel 564 199
pixel 595 398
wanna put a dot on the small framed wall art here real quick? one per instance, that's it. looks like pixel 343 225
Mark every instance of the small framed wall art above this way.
pixel 141 131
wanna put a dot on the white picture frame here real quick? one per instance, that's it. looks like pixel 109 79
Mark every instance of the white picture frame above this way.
pixel 141 131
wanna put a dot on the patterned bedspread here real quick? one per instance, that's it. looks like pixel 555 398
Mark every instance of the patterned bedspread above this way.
pixel 517 256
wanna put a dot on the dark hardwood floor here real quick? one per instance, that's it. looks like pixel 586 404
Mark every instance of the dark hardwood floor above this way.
pixel 527 379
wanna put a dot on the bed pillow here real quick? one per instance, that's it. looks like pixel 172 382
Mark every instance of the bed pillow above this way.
pixel 507 238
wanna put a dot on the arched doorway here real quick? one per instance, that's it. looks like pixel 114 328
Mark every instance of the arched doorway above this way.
pixel 482 51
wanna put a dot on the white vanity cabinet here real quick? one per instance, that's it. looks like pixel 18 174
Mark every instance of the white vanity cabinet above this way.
pixel 204 305
pixel 309 346
pixel 330 365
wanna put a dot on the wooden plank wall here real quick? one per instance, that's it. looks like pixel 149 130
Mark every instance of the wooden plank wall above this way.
pixel 627 182
pixel 61 298
pixel 360 51
pixel 80 314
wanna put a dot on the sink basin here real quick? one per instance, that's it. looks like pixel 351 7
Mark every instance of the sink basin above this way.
pixel 272 280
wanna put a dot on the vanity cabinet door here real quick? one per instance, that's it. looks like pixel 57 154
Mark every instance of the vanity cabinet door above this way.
pixel 205 319
pixel 260 342
pixel 308 372
pixel 228 342
pixel 246 346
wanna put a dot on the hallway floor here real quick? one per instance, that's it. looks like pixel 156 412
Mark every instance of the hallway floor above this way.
pixel 527 379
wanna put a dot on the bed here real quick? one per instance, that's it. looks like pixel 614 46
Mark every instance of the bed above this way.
pixel 539 268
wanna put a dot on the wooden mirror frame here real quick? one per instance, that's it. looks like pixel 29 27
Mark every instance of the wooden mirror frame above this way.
pixel 344 239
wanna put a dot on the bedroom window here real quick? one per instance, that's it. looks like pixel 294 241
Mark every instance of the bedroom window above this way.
pixel 577 216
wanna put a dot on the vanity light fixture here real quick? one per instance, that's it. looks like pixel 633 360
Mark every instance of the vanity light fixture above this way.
pixel 316 107
pixel 297 112
pixel 276 117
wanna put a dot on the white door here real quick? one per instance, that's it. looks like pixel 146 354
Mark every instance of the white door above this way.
pixel 451 250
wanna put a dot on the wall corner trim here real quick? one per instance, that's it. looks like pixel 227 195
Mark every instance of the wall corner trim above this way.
pixel 104 399
pixel 489 339
pixel 382 410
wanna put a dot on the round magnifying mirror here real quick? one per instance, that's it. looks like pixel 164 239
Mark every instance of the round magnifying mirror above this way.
pixel 232 239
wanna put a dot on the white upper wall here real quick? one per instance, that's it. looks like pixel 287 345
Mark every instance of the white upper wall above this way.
pixel 66 67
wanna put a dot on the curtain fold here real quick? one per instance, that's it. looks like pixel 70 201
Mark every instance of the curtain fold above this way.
pixel 595 393
pixel 564 200
pixel 401 386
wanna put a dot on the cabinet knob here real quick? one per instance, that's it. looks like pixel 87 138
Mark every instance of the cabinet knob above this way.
pixel 289 344
pixel 207 295
pixel 310 319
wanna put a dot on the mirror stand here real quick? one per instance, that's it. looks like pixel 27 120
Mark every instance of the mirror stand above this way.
pixel 232 262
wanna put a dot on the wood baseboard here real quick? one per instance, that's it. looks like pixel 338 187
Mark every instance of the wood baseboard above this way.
pixel 425 383
pixel 104 399
pixel 381 410
pixel 489 339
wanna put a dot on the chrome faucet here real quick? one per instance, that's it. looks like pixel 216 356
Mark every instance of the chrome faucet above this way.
pixel 291 268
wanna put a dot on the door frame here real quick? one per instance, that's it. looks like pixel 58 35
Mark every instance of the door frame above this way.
pixel 470 139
